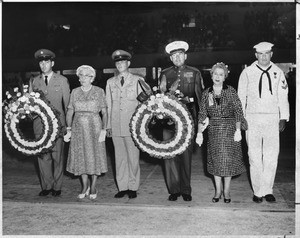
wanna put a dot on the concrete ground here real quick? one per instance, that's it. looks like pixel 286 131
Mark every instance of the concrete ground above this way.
pixel 150 214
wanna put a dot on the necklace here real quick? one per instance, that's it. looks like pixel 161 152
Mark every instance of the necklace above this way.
pixel 86 90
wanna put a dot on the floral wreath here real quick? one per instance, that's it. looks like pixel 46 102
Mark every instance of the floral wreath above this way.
pixel 162 106
pixel 30 105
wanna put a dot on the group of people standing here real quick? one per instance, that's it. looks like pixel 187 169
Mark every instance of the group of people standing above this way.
pixel 259 106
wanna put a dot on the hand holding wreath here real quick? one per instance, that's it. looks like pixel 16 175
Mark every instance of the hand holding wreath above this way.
pixel 19 106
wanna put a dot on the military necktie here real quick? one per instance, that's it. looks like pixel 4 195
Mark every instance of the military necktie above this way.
pixel 260 80
pixel 46 80
pixel 122 81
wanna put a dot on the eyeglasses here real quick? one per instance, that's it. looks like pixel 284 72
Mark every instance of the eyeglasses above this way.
pixel 86 76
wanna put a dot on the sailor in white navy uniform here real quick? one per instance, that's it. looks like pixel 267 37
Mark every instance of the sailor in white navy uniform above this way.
pixel 263 91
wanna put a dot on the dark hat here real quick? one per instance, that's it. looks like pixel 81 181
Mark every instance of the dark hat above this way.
pixel 44 54
pixel 176 46
pixel 119 55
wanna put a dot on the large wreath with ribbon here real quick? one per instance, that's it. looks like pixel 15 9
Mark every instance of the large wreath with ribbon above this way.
pixel 162 106
pixel 29 105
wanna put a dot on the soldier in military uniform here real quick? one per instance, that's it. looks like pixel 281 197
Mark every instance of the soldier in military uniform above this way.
pixel 121 96
pixel 57 91
pixel 189 81
pixel 263 91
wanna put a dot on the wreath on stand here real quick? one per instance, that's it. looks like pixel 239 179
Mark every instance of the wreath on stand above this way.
pixel 162 106
pixel 20 106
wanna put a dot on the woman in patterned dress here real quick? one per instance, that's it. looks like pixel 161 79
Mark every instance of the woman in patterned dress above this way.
pixel 87 153
pixel 221 104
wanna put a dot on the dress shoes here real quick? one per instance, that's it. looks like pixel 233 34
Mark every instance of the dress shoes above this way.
pixel 174 196
pixel 257 199
pixel 186 197
pixel 56 193
pixel 121 194
pixel 83 195
pixel 270 198
pixel 45 192
pixel 132 194
pixel 216 199
pixel 227 200
pixel 93 195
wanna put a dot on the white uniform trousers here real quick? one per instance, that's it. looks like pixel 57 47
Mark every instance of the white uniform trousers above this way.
pixel 263 150
pixel 127 163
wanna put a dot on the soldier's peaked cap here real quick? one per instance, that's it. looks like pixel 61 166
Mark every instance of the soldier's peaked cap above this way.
pixel 44 54
pixel 175 46
pixel 119 55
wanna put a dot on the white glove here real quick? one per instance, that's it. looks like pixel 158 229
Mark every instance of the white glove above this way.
pixel 237 135
pixel 102 135
pixel 199 138
pixel 205 124
pixel 67 136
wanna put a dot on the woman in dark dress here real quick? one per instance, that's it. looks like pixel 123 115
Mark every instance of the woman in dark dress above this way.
pixel 221 105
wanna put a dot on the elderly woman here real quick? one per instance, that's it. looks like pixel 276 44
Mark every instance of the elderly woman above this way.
pixel 221 104
pixel 87 154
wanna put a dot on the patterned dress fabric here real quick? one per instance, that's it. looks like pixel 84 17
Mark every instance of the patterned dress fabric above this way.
pixel 224 155
pixel 86 154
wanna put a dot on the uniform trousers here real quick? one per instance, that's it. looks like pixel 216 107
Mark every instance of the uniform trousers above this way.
pixel 263 149
pixel 178 169
pixel 50 164
pixel 127 163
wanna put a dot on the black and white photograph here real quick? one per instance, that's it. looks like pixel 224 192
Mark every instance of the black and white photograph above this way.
pixel 150 118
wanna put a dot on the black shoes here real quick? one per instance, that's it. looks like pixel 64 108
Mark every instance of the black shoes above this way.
pixel 186 197
pixel 257 199
pixel 121 194
pixel 45 192
pixel 227 200
pixel 270 198
pixel 132 194
pixel 216 199
pixel 174 196
pixel 56 193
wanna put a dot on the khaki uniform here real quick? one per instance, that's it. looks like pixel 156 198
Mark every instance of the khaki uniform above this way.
pixel 263 112
pixel 121 103
pixel 58 93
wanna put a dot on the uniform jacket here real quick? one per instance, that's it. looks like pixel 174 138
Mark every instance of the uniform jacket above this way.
pixel 121 103
pixel 190 84
pixel 57 92
pixel 248 91
pixel 190 80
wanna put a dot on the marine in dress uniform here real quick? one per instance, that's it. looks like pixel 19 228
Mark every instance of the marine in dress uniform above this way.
pixel 121 96
pixel 263 91
pixel 189 81
pixel 57 91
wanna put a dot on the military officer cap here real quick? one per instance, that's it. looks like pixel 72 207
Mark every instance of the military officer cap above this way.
pixel 176 46
pixel 263 47
pixel 44 54
pixel 119 55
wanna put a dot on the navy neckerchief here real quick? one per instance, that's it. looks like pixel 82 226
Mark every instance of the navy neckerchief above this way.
pixel 260 80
